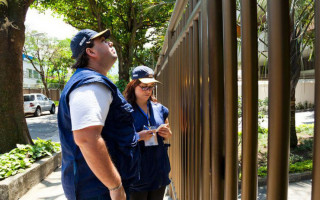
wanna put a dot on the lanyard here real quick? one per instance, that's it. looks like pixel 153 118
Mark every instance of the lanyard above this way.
pixel 146 114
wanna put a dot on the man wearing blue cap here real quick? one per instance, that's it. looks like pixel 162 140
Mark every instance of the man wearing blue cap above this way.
pixel 98 139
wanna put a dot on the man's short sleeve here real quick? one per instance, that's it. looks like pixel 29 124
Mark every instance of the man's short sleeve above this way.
pixel 89 105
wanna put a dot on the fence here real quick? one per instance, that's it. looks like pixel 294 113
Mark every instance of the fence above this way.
pixel 198 66
pixel 54 93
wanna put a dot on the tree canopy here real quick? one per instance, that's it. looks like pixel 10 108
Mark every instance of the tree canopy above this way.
pixel 128 20
pixel 50 57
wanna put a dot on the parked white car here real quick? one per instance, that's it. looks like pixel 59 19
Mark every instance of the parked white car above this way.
pixel 37 103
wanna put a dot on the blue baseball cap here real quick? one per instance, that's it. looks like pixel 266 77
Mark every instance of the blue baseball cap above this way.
pixel 79 41
pixel 144 74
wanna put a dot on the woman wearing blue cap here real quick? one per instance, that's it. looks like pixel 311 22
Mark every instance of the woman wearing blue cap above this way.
pixel 149 114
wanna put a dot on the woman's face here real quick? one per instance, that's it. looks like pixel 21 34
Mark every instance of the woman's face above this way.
pixel 144 91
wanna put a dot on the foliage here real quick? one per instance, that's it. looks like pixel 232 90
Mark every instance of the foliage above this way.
pixel 300 157
pixel 113 77
pixel 293 168
pixel 262 109
pixel 121 84
pixel 59 64
pixel 301 166
pixel 38 48
pixel 304 106
pixel 23 156
pixel 128 20
pixel 305 128
pixel 49 57
pixel 301 37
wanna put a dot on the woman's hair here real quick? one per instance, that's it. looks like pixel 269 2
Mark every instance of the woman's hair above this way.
pixel 83 59
pixel 130 95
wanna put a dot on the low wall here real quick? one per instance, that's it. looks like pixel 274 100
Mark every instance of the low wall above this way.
pixel 304 90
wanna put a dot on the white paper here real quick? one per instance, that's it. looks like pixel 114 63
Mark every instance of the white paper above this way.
pixel 162 125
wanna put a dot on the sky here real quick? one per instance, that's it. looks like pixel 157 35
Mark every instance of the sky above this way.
pixel 53 26
pixel 46 23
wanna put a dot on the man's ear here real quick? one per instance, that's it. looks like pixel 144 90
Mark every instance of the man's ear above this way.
pixel 90 52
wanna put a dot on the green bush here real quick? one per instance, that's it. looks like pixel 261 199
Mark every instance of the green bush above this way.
pixel 294 168
pixel 301 166
pixel 23 156
pixel 262 130
pixel 262 171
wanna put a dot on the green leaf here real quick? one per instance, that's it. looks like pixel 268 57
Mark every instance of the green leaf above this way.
pixel 4 2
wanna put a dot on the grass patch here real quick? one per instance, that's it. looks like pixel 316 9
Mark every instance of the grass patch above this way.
pixel 20 158
pixel 56 103
pixel 293 168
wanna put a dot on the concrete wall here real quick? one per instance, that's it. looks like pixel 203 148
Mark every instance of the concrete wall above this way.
pixel 304 90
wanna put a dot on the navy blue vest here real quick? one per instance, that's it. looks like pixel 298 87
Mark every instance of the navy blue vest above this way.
pixel 155 165
pixel 118 132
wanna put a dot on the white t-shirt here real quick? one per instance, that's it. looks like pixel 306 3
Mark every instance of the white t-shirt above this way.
pixel 89 105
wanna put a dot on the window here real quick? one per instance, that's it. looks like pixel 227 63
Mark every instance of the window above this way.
pixel 45 98
pixel 39 97
pixel 28 98
pixel 29 73
pixel 36 74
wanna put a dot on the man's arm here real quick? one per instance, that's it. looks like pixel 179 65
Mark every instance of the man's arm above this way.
pixel 97 157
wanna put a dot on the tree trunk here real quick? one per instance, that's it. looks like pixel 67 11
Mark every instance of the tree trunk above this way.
pixel 44 82
pixel 13 126
pixel 293 132
pixel 124 64
pixel 295 54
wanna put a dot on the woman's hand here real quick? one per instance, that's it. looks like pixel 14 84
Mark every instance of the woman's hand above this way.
pixel 165 132
pixel 145 135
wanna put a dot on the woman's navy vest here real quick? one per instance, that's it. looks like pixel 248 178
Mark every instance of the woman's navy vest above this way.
pixel 155 165
pixel 118 132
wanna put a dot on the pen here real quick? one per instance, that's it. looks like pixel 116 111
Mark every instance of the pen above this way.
pixel 145 127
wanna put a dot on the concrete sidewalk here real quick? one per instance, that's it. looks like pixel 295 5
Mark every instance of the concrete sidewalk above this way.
pixel 48 189
pixel 51 189
pixel 296 191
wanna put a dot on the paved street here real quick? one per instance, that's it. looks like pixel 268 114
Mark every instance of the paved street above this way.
pixel 45 127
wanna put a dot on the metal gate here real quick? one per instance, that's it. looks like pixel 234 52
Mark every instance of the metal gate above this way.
pixel 198 66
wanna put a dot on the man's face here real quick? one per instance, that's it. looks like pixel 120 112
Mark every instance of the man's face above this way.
pixel 105 51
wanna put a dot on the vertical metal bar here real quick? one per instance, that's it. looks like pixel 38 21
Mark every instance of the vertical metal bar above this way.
pixel 231 99
pixel 316 143
pixel 215 41
pixel 249 58
pixel 205 184
pixel 184 113
pixel 181 123
pixel 279 99
pixel 191 113
pixel 197 108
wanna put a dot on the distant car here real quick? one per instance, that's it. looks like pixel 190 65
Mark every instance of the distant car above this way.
pixel 37 103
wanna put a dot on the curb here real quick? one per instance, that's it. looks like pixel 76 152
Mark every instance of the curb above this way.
pixel 16 186
pixel 292 178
